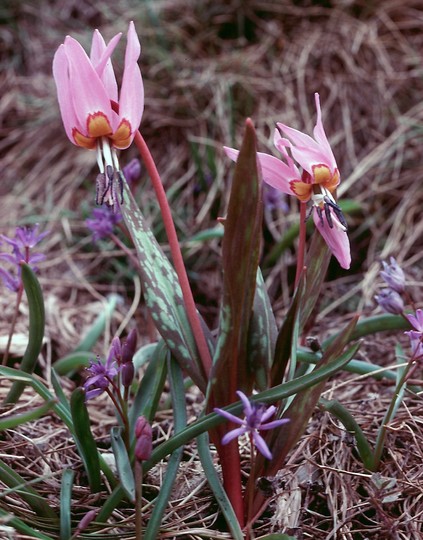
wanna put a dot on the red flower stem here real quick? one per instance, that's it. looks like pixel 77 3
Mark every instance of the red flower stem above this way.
pixel 301 242
pixel 231 471
pixel 175 250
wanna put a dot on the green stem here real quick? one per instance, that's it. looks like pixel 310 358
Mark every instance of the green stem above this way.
pixel 169 225
pixel 138 500
pixel 13 324
pixel 301 242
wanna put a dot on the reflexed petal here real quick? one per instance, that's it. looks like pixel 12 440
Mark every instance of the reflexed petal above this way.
pixel 270 411
pixel 248 409
pixel 416 321
pixel 336 238
pixel 277 173
pixel 320 135
pixel 228 416
pixel 131 102
pixel 61 78
pixel 274 424
pixel 87 90
pixel 233 434
pixel 262 446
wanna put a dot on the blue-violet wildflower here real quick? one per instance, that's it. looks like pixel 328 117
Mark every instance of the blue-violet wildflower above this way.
pixel 102 222
pixel 25 239
pixel 416 335
pixel 256 416
pixel 393 275
pixel 101 374
pixel 390 301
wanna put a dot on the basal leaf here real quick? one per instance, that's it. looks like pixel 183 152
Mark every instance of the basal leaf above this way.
pixel 162 292
pixel 240 258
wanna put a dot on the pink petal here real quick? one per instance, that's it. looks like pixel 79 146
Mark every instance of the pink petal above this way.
pixel 336 239
pixel 61 78
pixel 131 103
pixel 320 135
pixel 87 90
pixel 275 172
pixel 100 59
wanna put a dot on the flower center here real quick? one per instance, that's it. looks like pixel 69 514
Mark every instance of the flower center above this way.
pixel 323 201
pixel 110 175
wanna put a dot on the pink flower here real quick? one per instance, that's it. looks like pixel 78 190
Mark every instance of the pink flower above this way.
pixel 85 88
pixel 317 182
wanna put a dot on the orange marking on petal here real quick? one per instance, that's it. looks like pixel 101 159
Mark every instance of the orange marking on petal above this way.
pixel 321 175
pixel 122 136
pixel 82 140
pixel 98 125
pixel 334 182
pixel 302 190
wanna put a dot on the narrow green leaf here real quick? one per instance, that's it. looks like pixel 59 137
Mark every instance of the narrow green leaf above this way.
pixel 36 329
pixel 317 262
pixel 97 328
pixel 176 382
pixel 21 526
pixel 58 390
pixel 66 504
pixel 14 420
pixel 151 387
pixel 30 380
pixel 216 486
pixel 31 496
pixel 72 362
pixel 86 443
pixel 262 334
pixel 276 536
pixel 162 293
pixel 123 465
pixel 364 449
pixel 285 340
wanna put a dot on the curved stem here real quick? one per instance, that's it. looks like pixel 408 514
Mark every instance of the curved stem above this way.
pixel 13 324
pixel 301 242
pixel 178 262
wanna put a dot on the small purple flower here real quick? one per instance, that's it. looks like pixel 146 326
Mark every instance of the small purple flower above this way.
pixel 416 335
pixel 393 275
pixel 25 239
pixel 390 301
pixel 256 415
pixel 143 438
pixel 102 375
pixel 102 222
pixel 132 171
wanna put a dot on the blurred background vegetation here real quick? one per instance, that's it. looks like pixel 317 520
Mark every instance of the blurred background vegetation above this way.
pixel 206 66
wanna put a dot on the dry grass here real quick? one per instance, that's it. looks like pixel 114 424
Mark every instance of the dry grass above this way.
pixel 206 66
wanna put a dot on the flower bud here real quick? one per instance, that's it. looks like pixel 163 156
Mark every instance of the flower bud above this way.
pixel 390 301
pixel 129 346
pixel 127 374
pixel 144 439
pixel 393 275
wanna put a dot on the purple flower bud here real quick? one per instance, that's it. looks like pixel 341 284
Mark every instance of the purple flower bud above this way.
pixel 393 275
pixel 129 346
pixel 127 373
pixel 390 301
pixel 144 439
